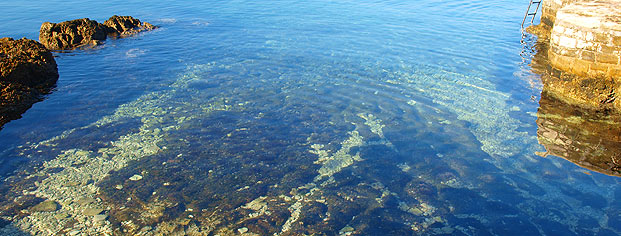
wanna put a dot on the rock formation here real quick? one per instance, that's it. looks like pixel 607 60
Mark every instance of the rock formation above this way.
pixel 85 32
pixel 27 70
pixel 125 25
pixel 71 34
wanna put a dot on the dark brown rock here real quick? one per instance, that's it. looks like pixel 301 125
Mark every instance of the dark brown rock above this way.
pixel 71 34
pixel 85 32
pixel 125 25
pixel 27 70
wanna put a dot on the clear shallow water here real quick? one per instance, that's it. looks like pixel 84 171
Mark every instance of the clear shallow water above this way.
pixel 284 117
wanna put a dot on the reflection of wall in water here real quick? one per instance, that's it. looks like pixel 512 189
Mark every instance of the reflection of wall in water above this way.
pixel 582 50
pixel 588 139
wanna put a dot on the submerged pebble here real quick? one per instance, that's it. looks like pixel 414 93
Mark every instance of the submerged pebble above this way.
pixel 99 218
pixel 135 178
pixel 45 206
pixel 92 211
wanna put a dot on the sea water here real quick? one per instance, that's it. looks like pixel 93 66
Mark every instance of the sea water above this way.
pixel 294 117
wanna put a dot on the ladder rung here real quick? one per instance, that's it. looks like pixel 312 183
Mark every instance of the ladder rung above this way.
pixel 537 2
pixel 531 14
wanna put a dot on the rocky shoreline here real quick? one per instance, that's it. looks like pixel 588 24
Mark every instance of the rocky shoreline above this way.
pixel 28 69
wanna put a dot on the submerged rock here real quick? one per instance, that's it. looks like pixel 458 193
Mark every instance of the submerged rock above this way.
pixel 27 70
pixel 92 211
pixel 45 206
pixel 84 32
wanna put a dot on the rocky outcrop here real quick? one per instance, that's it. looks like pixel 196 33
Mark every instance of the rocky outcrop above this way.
pixel 85 32
pixel 125 25
pixel 27 70
pixel 71 34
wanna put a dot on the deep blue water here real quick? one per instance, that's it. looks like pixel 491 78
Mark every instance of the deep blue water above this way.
pixel 339 117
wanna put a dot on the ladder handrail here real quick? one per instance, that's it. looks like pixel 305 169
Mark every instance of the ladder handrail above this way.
pixel 538 2
pixel 534 14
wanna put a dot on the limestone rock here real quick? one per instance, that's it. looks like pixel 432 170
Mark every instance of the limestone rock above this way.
pixel 126 25
pixel 27 70
pixel 71 34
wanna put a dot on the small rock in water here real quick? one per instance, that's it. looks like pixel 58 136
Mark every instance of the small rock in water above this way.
pixel 185 222
pixel 242 230
pixel 99 218
pixel 347 230
pixel 61 216
pixel 86 200
pixel 118 186
pixel 135 178
pixel 92 211
pixel 45 206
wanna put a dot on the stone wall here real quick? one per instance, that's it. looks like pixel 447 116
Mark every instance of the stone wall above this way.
pixel 586 39
pixel 579 53
pixel 549 9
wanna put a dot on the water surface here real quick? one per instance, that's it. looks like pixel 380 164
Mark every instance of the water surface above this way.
pixel 289 118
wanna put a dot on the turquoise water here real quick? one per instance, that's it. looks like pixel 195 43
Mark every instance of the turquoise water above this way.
pixel 290 118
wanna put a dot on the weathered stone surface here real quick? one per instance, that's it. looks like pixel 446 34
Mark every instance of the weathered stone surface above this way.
pixel 71 34
pixel 27 70
pixel 549 9
pixel 85 32
pixel 126 25
pixel 581 39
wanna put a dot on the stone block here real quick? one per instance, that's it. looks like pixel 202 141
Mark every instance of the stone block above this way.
pixel 570 52
pixel 581 66
pixel 584 44
pixel 587 55
pixel 568 42
pixel 606 49
pixel 616 40
pixel 607 58
pixel 561 62
pixel 599 67
pixel 602 38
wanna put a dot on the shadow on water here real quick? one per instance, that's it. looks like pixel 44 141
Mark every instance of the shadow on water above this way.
pixel 16 99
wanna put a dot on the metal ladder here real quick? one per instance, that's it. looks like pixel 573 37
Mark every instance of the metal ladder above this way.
pixel 528 13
